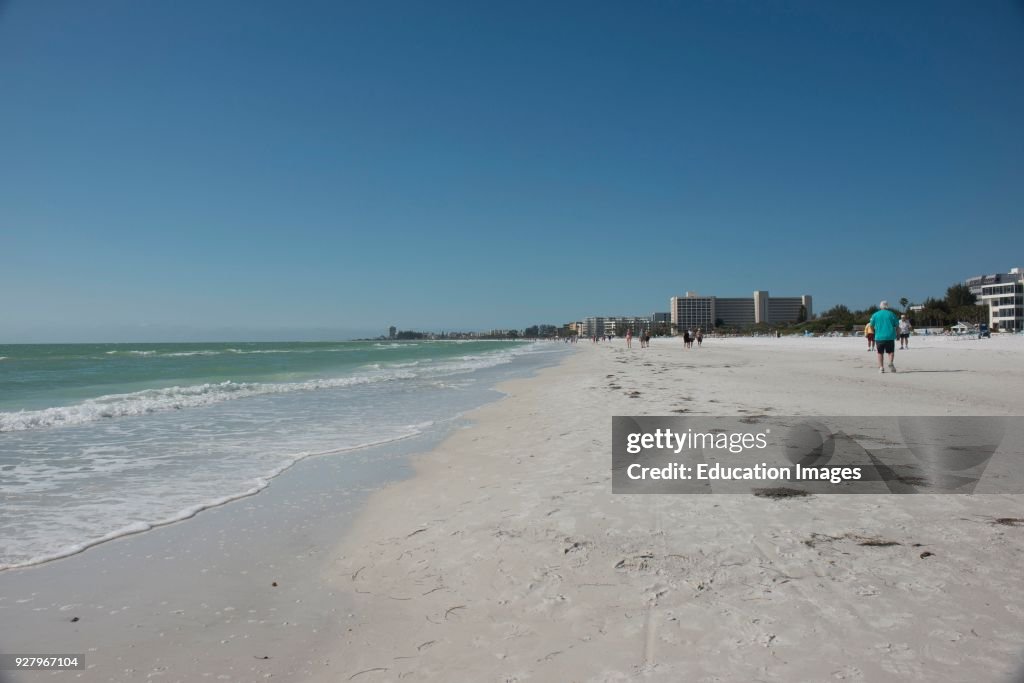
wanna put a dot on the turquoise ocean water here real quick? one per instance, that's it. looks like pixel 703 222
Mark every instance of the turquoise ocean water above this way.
pixel 102 440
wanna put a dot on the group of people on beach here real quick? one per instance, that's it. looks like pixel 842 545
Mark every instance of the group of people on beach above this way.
pixel 904 329
pixel 689 336
pixel 882 331
pixel 645 338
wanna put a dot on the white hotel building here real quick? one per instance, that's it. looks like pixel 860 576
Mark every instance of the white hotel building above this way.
pixel 1004 295
pixel 598 326
pixel 706 312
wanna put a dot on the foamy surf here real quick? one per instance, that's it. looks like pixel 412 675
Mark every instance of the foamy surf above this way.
pixel 258 484
pixel 182 397
pixel 124 462
pixel 171 398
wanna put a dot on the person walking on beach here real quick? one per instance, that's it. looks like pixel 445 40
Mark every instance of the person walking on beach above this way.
pixel 629 338
pixel 886 326
pixel 869 332
pixel 700 337
pixel 904 332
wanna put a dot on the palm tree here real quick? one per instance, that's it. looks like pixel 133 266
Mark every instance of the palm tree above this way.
pixel 904 302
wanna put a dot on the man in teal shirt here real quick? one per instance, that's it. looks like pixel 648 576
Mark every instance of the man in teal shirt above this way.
pixel 886 326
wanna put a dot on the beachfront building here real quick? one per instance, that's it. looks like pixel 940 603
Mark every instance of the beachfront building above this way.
pixel 598 326
pixel 593 326
pixel 1004 295
pixel 693 311
pixel 978 282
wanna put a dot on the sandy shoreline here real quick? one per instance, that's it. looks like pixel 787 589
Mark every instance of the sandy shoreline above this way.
pixel 197 600
pixel 506 557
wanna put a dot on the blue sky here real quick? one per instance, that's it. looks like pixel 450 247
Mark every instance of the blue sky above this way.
pixel 301 170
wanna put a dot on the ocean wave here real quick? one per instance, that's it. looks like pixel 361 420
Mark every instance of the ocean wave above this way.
pixel 215 352
pixel 178 354
pixel 471 363
pixel 246 352
pixel 151 401
pixel 170 398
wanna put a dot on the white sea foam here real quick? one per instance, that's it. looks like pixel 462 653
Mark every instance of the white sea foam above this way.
pixel 258 351
pixel 217 352
pixel 253 487
pixel 255 351
pixel 182 354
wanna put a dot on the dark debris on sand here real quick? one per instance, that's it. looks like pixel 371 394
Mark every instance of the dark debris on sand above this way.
pixel 869 541
pixel 778 492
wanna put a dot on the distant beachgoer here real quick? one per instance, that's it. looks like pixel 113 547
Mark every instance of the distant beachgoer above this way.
pixel 700 337
pixel 629 338
pixel 686 339
pixel 886 326
pixel 905 329
pixel 869 332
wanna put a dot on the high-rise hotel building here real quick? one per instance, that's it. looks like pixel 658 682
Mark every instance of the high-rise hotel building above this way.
pixel 706 312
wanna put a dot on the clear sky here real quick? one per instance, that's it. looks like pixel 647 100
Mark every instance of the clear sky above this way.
pixel 300 170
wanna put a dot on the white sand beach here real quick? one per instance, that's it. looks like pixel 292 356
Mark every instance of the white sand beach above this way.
pixel 506 557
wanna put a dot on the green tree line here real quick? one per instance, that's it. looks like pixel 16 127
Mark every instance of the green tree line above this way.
pixel 958 305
